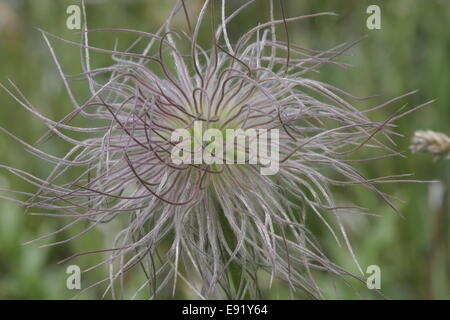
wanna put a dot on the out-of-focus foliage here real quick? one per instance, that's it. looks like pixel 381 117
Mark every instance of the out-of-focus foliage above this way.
pixel 411 51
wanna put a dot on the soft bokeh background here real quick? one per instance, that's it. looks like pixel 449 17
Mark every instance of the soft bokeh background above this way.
pixel 411 51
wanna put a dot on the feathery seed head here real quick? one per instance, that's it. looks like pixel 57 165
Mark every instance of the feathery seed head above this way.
pixel 194 221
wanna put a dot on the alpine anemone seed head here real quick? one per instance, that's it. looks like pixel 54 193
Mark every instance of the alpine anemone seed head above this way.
pixel 196 222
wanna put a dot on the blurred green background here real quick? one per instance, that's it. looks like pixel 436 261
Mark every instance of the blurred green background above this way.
pixel 411 51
